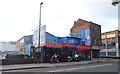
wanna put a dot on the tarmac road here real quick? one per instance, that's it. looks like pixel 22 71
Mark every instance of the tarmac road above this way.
pixel 111 66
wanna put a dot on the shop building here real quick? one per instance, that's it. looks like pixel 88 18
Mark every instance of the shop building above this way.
pixel 111 44
pixel 62 46
pixel 89 33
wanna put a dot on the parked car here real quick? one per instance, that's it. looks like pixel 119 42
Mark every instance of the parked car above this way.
pixel 14 55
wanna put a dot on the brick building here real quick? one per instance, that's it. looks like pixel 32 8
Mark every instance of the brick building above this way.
pixel 90 34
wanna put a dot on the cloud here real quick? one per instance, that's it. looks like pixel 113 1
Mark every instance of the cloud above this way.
pixel 20 17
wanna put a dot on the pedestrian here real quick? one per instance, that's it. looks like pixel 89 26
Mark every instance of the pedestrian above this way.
pixel 54 58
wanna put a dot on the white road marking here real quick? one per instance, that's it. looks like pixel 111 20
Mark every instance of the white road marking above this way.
pixel 80 68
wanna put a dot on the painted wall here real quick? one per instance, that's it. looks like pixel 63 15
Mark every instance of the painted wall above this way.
pixel 83 34
pixel 69 40
pixel 51 39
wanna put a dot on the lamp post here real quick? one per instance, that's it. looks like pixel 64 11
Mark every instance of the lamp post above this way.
pixel 39 49
pixel 39 25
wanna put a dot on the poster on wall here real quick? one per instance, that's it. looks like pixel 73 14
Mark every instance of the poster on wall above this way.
pixel 42 36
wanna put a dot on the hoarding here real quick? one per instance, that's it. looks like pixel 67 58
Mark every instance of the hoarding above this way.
pixel 42 36
pixel 35 38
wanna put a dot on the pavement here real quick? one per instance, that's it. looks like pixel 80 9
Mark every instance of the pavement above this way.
pixel 49 65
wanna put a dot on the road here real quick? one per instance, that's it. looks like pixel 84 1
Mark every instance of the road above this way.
pixel 95 67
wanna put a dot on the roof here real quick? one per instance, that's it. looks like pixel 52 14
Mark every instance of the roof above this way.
pixel 81 22
pixel 50 34
pixel 70 37
pixel 110 31
pixel 23 37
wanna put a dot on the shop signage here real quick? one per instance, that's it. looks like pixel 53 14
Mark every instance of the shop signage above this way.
pixel 97 47
pixel 57 45
pixel 83 47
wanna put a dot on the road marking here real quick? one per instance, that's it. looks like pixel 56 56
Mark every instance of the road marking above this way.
pixel 80 68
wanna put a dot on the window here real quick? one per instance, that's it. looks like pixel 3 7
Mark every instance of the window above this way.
pixel 103 44
pixel 113 44
pixel 54 40
pixel 83 43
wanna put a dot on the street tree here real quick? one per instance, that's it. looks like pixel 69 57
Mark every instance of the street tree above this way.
pixel 115 2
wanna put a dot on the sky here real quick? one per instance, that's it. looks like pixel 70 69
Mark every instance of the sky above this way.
pixel 19 18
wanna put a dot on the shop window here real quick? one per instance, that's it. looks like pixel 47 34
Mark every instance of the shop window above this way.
pixel 113 44
pixel 103 44
pixel 109 44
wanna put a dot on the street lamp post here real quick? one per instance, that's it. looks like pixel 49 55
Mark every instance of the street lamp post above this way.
pixel 39 49
pixel 39 25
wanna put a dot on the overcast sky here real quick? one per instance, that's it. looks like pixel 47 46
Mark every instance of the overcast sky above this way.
pixel 19 17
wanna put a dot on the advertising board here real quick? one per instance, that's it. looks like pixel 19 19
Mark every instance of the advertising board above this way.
pixel 42 36
pixel 57 45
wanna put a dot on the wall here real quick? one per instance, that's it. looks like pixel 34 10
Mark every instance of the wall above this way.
pixel 28 39
pixel 84 35
pixel 51 38
pixel 84 29
pixel 70 40
pixel 21 43
pixel 18 61
pixel 95 35
pixel 79 24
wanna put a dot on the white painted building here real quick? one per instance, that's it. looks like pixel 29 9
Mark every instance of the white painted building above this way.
pixel 7 46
